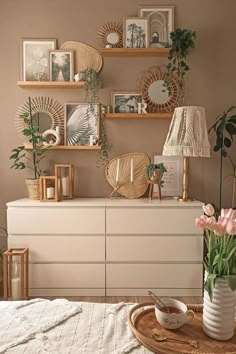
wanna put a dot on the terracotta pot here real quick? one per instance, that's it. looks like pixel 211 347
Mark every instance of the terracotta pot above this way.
pixel 33 188
pixel 219 315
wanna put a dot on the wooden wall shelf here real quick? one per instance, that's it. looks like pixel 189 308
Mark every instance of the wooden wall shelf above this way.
pixel 68 147
pixel 131 52
pixel 160 115
pixel 51 84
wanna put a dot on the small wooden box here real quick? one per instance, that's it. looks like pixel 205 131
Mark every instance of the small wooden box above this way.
pixel 49 189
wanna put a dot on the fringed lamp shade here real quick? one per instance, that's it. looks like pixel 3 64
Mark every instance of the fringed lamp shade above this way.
pixel 187 136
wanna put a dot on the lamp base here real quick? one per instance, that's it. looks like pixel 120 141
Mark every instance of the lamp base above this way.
pixel 180 199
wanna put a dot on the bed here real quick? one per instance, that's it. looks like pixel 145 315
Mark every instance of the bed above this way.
pixel 41 326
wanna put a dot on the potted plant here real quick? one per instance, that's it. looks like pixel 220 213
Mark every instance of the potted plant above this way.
pixel 220 267
pixel 182 43
pixel 22 158
pixel 152 173
pixel 225 129
pixel 91 81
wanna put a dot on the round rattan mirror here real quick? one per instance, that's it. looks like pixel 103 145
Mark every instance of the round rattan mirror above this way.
pixel 46 114
pixel 159 94
pixel 111 33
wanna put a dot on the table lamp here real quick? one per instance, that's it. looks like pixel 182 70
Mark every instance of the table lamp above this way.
pixel 187 136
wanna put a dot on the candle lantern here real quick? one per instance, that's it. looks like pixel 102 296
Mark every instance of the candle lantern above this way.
pixel 65 178
pixel 16 274
pixel 49 191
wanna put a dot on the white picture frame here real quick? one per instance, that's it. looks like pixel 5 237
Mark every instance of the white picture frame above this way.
pixel 160 23
pixel 135 32
pixel 173 178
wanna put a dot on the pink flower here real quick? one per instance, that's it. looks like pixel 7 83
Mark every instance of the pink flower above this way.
pixel 228 213
pixel 211 223
pixel 208 209
pixel 220 226
pixel 200 223
pixel 231 228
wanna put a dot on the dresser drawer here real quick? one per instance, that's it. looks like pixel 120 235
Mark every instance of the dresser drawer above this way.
pixel 67 276
pixel 155 248
pixel 154 276
pixel 56 220
pixel 152 221
pixel 46 248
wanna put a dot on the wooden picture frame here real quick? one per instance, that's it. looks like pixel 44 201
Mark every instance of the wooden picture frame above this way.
pixel 173 178
pixel 135 32
pixel 125 101
pixel 82 121
pixel 61 65
pixel 34 58
pixel 160 23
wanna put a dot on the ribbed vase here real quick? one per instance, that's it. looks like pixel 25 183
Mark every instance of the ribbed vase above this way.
pixel 219 315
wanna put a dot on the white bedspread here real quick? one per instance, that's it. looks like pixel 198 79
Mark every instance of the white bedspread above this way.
pixel 62 327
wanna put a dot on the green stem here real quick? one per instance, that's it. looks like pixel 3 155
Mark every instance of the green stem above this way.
pixel 221 171
pixel 33 140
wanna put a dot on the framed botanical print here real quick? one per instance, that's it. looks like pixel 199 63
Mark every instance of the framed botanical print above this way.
pixel 160 23
pixel 61 65
pixel 35 60
pixel 82 124
pixel 135 32
pixel 173 178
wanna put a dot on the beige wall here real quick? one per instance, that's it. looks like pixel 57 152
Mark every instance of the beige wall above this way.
pixel 210 83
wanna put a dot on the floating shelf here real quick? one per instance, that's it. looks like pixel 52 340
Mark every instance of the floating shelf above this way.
pixel 51 84
pixel 68 147
pixel 137 52
pixel 160 115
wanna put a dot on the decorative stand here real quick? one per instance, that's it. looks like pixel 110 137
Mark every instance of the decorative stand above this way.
pixel 65 177
pixel 16 274
pixel 49 189
pixel 151 187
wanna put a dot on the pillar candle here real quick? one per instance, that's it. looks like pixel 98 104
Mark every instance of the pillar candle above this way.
pixel 16 288
pixel 65 186
pixel 50 192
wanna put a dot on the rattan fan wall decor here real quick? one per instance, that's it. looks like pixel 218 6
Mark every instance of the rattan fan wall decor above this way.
pixel 111 33
pixel 86 57
pixel 45 105
pixel 127 174
pixel 159 97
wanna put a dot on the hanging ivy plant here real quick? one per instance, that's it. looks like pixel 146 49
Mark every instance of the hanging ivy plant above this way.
pixel 103 155
pixel 91 81
pixel 183 40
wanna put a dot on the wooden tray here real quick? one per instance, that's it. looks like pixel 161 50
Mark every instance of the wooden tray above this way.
pixel 143 323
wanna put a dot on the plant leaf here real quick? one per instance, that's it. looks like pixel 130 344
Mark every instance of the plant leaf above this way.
pixel 231 280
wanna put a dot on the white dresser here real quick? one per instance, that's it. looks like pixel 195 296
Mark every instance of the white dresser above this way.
pixel 89 247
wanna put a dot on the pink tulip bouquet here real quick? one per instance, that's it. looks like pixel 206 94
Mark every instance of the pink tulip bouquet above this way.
pixel 220 237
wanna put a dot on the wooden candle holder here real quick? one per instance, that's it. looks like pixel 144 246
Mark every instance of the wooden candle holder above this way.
pixel 15 286
pixel 47 194
pixel 66 183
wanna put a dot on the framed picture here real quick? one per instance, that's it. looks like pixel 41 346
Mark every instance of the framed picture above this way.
pixel 173 178
pixel 160 24
pixel 61 65
pixel 82 124
pixel 135 32
pixel 125 101
pixel 35 61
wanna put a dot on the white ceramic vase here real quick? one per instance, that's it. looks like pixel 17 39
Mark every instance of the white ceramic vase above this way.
pixel 219 315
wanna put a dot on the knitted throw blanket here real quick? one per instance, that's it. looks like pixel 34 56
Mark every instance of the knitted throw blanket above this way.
pixel 62 327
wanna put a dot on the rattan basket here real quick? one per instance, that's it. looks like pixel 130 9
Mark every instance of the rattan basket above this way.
pixel 33 188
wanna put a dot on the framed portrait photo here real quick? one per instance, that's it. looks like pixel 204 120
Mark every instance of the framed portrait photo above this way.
pixel 82 124
pixel 135 32
pixel 173 178
pixel 35 60
pixel 160 24
pixel 61 65
pixel 125 101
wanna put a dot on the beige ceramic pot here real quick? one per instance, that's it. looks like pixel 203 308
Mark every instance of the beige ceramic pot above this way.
pixel 33 188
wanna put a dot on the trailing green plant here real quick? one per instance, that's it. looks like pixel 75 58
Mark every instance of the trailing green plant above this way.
pixel 91 81
pixel 152 167
pixel 183 40
pixel 103 154
pixel 34 156
pixel 225 129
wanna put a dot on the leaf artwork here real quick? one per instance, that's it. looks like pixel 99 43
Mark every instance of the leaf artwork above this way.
pixel 81 124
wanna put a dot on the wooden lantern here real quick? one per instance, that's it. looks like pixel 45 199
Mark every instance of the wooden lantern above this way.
pixel 49 191
pixel 16 274
pixel 65 177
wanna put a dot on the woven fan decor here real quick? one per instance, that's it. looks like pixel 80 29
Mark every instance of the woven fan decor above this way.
pixel 86 57
pixel 122 166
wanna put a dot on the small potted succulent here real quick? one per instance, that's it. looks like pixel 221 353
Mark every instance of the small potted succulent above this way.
pixel 31 159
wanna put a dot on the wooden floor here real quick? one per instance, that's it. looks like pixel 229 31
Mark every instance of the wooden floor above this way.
pixel 133 299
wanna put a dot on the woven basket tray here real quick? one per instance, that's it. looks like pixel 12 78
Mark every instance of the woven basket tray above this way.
pixel 142 322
